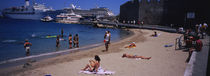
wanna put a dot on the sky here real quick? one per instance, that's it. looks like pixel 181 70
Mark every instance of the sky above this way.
pixel 113 5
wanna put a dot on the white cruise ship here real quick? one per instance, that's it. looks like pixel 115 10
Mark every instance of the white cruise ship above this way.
pixel 34 12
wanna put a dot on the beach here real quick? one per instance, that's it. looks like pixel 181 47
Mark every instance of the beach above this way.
pixel 165 61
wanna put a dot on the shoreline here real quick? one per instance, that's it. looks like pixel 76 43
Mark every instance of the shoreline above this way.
pixel 21 60
pixel 165 61
pixel 47 61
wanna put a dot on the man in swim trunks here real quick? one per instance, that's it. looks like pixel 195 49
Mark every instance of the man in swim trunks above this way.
pixel 76 41
pixel 57 41
pixel 107 38
pixel 62 33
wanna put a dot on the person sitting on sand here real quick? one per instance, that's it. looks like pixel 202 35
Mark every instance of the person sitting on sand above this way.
pixel 93 64
pixel 155 34
pixel 135 56
pixel 132 45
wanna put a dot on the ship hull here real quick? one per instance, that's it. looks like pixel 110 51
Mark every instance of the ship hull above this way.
pixel 35 16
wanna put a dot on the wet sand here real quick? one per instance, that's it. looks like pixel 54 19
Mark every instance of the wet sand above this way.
pixel 164 61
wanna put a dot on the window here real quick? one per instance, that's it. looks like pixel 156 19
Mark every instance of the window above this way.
pixel 148 1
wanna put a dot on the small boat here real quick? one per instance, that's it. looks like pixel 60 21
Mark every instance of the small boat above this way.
pixel 47 19
pixel 70 18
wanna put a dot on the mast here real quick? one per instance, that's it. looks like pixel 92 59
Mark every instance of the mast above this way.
pixel 27 3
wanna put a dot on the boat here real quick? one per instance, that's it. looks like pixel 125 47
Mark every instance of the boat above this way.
pixel 71 18
pixel 47 19
pixel 35 11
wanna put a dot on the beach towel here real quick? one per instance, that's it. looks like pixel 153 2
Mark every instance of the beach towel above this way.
pixel 169 45
pixel 138 58
pixel 157 35
pixel 100 72
pixel 130 47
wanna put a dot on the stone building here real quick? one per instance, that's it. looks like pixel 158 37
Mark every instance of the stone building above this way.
pixel 166 12
pixel 148 11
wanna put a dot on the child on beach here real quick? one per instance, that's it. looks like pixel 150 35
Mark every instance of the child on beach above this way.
pixel 27 47
pixel 93 64
pixel 135 56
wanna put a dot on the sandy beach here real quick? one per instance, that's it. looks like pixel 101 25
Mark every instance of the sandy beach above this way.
pixel 165 61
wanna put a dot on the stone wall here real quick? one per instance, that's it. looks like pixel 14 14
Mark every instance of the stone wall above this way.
pixel 129 11
pixel 149 11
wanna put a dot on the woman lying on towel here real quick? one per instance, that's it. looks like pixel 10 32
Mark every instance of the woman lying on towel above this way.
pixel 132 45
pixel 135 56
pixel 93 64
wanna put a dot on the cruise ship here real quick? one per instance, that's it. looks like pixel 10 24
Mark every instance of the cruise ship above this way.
pixel 96 12
pixel 34 12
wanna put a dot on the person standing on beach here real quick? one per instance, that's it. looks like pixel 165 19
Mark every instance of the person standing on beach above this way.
pixel 70 41
pixel 76 41
pixel 107 38
pixel 57 41
pixel 27 47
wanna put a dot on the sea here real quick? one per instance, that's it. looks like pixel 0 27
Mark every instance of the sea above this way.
pixel 13 33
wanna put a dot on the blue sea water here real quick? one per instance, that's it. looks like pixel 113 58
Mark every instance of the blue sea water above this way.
pixel 14 32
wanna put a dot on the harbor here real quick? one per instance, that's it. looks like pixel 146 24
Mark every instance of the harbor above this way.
pixel 104 37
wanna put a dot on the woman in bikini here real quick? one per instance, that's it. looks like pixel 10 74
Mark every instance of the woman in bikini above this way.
pixel 135 56
pixel 70 41
pixel 93 64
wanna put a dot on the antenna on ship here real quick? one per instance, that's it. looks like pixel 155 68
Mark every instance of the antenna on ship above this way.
pixel 33 2
pixel 97 4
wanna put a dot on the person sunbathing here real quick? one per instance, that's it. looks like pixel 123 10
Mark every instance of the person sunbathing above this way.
pixel 132 45
pixel 93 64
pixel 135 56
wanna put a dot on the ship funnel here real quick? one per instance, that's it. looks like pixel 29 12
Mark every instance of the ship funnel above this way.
pixel 26 3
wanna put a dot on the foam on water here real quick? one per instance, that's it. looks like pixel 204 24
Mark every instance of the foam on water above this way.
pixel 9 41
